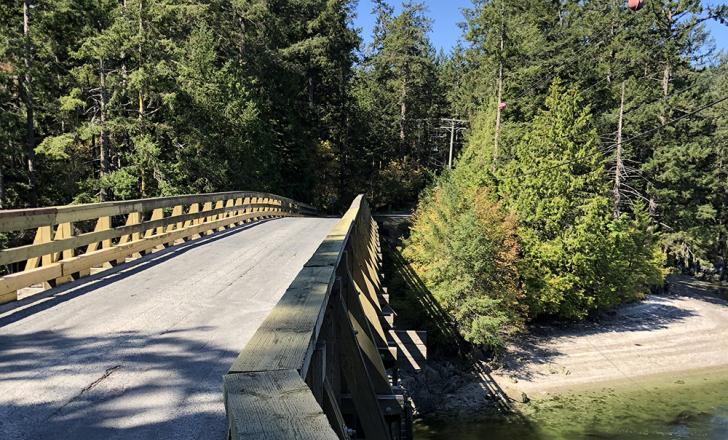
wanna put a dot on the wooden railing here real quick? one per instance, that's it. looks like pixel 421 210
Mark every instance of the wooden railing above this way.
pixel 71 241
pixel 322 364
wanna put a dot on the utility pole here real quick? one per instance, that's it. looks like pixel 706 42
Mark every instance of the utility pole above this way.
pixel 619 165
pixel 455 125
pixel 452 143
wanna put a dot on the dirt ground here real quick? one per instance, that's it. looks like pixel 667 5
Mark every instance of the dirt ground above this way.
pixel 682 332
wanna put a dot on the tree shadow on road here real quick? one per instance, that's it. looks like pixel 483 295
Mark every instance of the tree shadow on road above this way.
pixel 17 310
pixel 711 292
pixel 126 385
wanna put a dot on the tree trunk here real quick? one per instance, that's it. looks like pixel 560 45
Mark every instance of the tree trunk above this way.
pixel 310 91
pixel 104 144
pixel 28 96
pixel 666 73
pixel 499 98
pixel 619 166
pixel 142 186
pixel 141 32
pixel 402 110
pixel 2 188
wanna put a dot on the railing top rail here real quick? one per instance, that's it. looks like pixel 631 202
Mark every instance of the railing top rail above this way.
pixel 21 219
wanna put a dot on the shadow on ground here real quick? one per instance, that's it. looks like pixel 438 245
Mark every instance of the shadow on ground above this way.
pixel 711 292
pixel 57 386
pixel 17 310
pixel 453 381
pixel 416 307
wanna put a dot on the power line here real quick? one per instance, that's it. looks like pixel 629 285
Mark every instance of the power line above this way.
pixel 637 136
pixel 679 118
pixel 663 98
pixel 539 82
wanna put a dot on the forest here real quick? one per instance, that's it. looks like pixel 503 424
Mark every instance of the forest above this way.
pixel 592 140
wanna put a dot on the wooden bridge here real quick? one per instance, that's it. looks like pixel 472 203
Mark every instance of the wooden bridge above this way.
pixel 126 320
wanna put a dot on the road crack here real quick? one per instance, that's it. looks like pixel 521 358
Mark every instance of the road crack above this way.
pixel 109 371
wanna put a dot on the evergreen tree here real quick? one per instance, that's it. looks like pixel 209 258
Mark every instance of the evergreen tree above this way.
pixel 574 252
pixel 463 244
pixel 399 97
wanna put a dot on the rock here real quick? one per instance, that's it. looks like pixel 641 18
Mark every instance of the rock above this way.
pixel 432 375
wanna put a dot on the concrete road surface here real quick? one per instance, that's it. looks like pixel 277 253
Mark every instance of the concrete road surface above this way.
pixel 139 354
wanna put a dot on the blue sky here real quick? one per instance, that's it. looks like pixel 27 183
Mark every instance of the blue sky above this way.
pixel 446 15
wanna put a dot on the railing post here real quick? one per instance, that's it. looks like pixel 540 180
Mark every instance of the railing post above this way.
pixel 63 231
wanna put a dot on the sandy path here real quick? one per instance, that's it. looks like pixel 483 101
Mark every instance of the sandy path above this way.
pixel 675 334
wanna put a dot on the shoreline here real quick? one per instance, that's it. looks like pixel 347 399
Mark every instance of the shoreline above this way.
pixel 670 336
pixel 665 341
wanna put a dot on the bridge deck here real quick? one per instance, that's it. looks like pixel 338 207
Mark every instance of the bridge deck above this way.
pixel 141 353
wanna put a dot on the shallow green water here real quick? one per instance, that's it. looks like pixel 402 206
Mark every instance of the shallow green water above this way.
pixel 688 408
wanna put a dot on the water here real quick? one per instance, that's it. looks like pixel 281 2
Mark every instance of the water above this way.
pixel 689 408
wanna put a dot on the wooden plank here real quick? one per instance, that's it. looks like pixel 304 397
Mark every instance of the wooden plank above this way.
pixel 15 281
pixel 177 211
pixel 248 207
pixel 239 210
pixel 63 231
pixel 194 210
pixel 317 371
pixel 9 297
pixel 273 405
pixel 367 343
pixel 102 224
pixel 206 208
pixel 390 404
pixel 21 253
pixel 412 348
pixel 358 377
pixel 42 235
pixel 91 259
pixel 229 205
pixel 157 215
pixel 333 412
pixel 136 247
pixel 134 218
pixel 370 306
pixel 329 252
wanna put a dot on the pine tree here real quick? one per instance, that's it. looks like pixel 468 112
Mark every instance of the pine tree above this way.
pixel 400 98
pixel 574 251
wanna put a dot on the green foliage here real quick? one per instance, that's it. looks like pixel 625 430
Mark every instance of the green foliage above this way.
pixel 577 258
pixel 56 147
pixel 464 247
pixel 107 100
pixel 399 96
pixel 550 246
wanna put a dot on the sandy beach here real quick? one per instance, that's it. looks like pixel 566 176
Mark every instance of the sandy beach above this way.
pixel 678 334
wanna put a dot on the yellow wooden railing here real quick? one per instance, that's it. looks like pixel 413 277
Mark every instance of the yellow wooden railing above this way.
pixel 63 250
pixel 321 365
